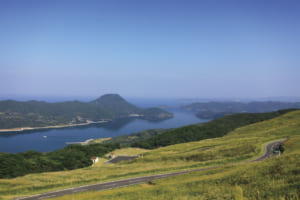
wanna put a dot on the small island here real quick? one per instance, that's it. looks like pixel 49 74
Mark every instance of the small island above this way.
pixel 21 116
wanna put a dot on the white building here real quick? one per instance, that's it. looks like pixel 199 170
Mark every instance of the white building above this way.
pixel 94 159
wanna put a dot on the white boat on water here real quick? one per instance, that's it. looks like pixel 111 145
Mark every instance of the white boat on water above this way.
pixel 44 136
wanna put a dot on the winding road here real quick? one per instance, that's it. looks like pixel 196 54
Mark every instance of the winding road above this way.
pixel 269 148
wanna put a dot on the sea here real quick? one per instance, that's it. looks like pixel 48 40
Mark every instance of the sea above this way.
pixel 54 139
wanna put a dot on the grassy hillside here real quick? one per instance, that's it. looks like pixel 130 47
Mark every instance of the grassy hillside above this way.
pixel 212 129
pixel 241 144
pixel 162 137
pixel 276 178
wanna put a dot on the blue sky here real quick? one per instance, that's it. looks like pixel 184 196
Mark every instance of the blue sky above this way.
pixel 149 48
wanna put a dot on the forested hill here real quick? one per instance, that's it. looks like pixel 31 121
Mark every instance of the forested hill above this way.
pixel 218 109
pixel 216 128
pixel 116 103
pixel 15 114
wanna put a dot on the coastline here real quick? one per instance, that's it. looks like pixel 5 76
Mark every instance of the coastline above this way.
pixel 88 122
pixel 90 141
pixel 50 127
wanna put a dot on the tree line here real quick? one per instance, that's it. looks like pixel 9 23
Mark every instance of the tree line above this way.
pixel 68 158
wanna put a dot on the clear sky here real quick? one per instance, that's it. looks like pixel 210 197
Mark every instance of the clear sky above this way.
pixel 150 48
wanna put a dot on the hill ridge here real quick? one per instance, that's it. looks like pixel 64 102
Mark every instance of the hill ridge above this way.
pixel 18 114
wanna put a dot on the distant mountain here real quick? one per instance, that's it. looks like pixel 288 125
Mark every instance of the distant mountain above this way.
pixel 219 109
pixel 16 114
pixel 116 104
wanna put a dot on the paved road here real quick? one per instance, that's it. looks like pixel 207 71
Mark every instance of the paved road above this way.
pixel 269 148
pixel 132 181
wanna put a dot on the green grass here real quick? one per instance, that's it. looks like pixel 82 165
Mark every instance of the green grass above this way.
pixel 216 128
pixel 130 151
pixel 241 144
pixel 276 178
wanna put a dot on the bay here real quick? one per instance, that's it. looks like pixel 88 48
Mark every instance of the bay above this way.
pixel 54 139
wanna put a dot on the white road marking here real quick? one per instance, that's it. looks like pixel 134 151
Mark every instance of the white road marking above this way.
pixel 133 181
pixel 45 197
pixel 82 190
pixel 106 185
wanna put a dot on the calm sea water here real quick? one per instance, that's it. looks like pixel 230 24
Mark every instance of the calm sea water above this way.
pixel 50 140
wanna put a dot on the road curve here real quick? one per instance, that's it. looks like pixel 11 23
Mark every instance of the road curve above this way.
pixel 269 148
pixel 133 181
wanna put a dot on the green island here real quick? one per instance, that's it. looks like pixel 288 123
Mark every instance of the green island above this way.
pixel 20 116
pixel 244 139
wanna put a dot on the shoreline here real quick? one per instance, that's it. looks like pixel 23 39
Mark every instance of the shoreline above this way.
pixel 50 127
pixel 88 122
pixel 90 141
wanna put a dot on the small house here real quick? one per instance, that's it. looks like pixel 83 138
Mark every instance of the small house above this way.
pixel 94 159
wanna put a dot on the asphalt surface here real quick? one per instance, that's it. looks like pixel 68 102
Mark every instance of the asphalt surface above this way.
pixel 269 148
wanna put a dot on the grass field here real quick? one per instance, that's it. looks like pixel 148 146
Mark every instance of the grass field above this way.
pixel 276 178
pixel 129 152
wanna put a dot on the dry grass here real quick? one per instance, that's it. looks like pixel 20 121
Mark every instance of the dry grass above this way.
pixel 129 151
pixel 277 178
pixel 100 140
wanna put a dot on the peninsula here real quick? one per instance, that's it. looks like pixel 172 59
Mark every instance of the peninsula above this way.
pixel 20 116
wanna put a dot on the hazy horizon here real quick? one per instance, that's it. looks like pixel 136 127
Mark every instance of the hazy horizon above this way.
pixel 149 49
pixel 152 101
